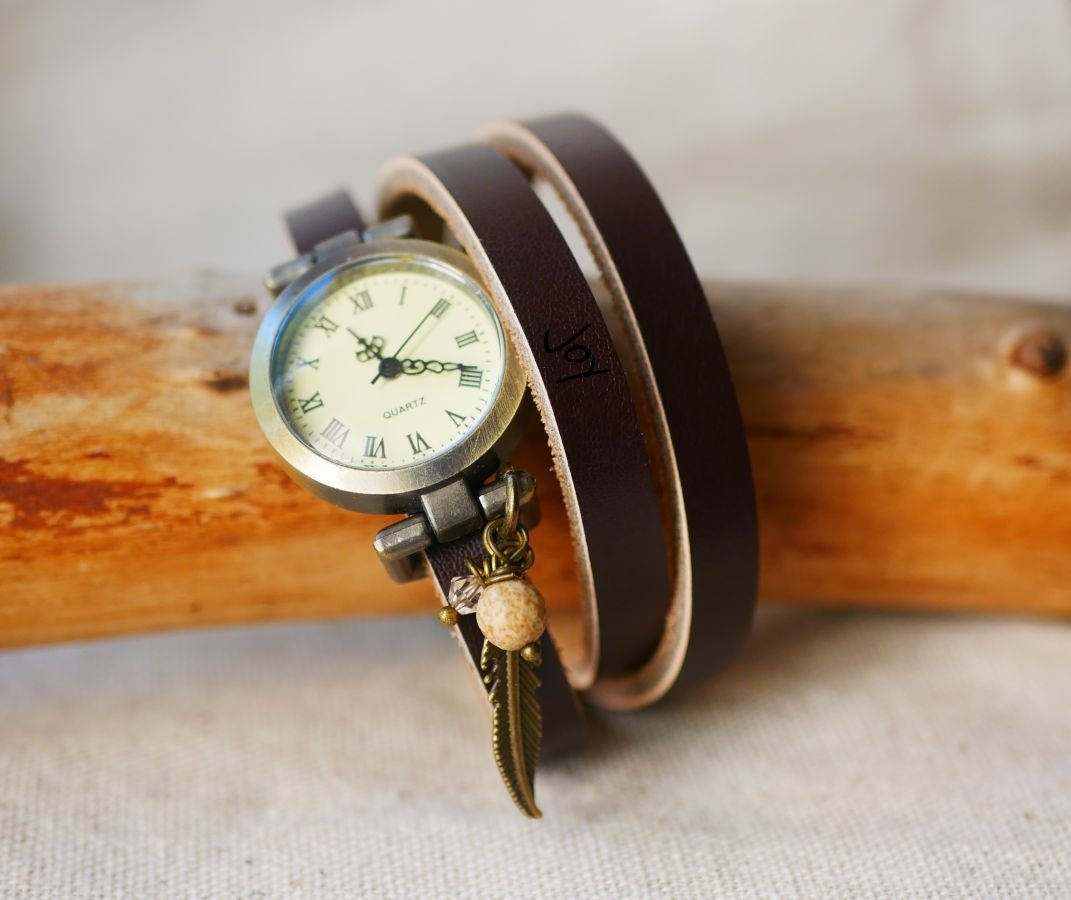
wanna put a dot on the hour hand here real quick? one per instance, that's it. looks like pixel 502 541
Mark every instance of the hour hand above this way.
pixel 369 348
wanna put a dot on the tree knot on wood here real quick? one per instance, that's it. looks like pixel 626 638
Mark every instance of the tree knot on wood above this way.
pixel 1040 353
pixel 226 382
pixel 245 307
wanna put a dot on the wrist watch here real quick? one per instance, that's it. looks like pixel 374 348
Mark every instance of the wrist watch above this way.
pixel 383 378
pixel 385 383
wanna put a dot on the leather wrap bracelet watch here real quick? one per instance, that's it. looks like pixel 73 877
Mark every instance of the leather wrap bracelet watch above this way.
pixel 392 376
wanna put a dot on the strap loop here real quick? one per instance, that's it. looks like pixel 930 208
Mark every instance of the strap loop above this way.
pixel 702 448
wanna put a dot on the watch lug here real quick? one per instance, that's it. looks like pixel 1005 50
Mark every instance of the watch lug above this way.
pixel 492 499
pixel 451 510
pixel 279 277
pixel 398 227
pixel 400 547
pixel 457 512
pixel 335 246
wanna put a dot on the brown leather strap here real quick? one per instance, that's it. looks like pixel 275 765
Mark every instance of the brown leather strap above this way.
pixel 563 723
pixel 322 218
pixel 578 384
pixel 691 399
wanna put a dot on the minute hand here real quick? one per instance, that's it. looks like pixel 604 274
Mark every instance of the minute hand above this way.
pixel 429 314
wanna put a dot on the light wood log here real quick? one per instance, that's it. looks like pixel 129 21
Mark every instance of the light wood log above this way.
pixel 910 450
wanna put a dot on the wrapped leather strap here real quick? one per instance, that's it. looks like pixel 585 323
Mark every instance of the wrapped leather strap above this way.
pixel 690 397
pixel 321 219
pixel 577 381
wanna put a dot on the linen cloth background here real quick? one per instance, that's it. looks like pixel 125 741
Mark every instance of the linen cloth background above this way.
pixel 845 755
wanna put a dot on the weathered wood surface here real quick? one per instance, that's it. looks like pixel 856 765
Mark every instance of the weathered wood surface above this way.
pixel 910 450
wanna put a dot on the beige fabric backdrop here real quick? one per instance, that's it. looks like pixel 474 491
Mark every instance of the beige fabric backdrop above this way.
pixel 846 755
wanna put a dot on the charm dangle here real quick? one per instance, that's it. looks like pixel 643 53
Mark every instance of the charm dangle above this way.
pixel 516 721
pixel 464 594
pixel 512 615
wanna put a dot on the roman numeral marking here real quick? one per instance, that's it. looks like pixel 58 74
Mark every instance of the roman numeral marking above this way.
pixel 463 340
pixel 417 443
pixel 336 432
pixel 312 363
pixel 311 403
pixel 361 301
pixel 401 299
pixel 328 326
pixel 373 446
pixel 440 307
pixel 470 377
pixel 456 418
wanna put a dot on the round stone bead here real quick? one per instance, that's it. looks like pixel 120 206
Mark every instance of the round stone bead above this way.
pixel 511 614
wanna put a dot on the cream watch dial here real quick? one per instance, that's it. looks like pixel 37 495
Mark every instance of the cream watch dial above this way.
pixel 388 361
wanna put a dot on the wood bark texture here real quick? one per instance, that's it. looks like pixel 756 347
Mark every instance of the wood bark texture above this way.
pixel 911 450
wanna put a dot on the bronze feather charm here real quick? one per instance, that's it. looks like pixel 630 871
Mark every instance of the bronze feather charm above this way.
pixel 517 722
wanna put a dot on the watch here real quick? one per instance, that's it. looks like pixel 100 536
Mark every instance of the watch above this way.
pixel 393 375
pixel 388 378
pixel 385 383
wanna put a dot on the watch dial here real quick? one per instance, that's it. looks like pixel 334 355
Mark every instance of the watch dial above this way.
pixel 388 361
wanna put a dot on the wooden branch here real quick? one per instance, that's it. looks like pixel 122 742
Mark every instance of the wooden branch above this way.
pixel 910 450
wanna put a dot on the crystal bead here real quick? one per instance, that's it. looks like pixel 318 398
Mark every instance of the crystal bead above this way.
pixel 464 594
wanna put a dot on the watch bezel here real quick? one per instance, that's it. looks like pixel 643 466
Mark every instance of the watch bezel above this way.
pixel 395 490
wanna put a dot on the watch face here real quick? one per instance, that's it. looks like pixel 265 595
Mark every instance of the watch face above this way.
pixel 388 361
